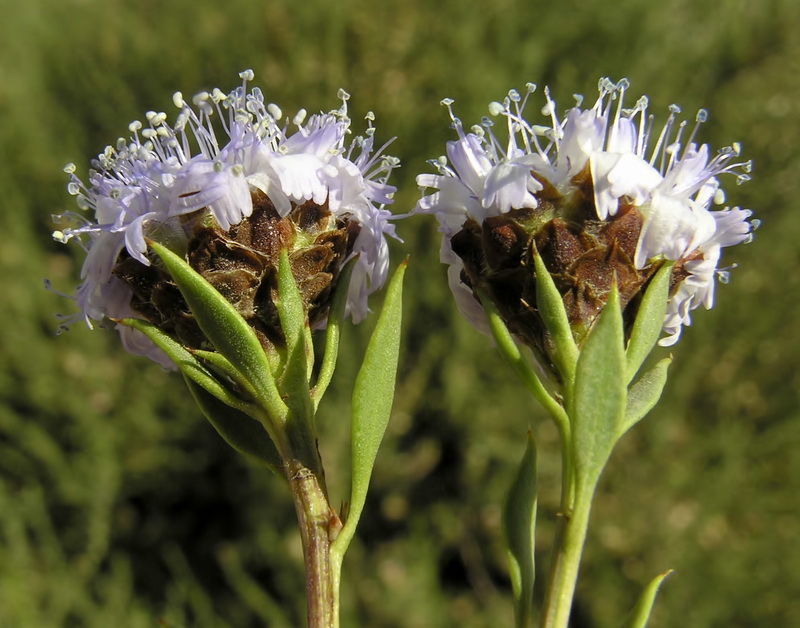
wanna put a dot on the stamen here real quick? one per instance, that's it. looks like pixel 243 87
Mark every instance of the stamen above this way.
pixel 299 117
pixel 702 116
pixel 550 110
pixel 496 108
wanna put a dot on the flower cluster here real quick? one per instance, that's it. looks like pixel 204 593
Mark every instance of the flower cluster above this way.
pixel 165 180
pixel 597 187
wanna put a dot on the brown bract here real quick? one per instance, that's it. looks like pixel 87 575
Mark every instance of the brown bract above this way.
pixel 583 255
pixel 242 264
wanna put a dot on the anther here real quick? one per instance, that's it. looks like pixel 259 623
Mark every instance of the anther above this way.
pixel 299 117
pixel 495 108
pixel 201 98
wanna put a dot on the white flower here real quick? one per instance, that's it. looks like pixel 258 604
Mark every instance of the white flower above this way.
pixel 671 183
pixel 142 186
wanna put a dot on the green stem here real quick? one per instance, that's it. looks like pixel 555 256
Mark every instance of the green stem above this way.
pixel 569 542
pixel 318 522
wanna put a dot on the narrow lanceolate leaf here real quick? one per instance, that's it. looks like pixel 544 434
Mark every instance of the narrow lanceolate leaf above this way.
pixel 519 527
pixel 224 327
pixel 508 348
pixel 372 403
pixel 644 394
pixel 551 309
pixel 240 431
pixel 649 319
pixel 186 362
pixel 333 331
pixel 294 378
pixel 640 614
pixel 600 393
pixel 220 364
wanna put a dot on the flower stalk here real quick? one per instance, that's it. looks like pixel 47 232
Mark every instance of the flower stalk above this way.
pixel 318 524
pixel 581 240
pixel 219 245
pixel 570 539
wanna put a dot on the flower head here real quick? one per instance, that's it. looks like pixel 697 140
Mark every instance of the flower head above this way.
pixel 599 194
pixel 229 185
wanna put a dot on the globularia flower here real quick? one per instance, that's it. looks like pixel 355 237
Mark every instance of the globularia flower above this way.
pixel 230 196
pixel 598 194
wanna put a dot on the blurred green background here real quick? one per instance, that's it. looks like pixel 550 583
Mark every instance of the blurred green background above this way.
pixel 119 505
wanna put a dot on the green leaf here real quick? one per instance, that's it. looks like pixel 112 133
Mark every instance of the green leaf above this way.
pixel 508 348
pixel 225 328
pixel 640 614
pixel 294 322
pixel 554 316
pixel 519 527
pixel 372 403
pixel 290 305
pixel 333 332
pixel 644 394
pixel 220 364
pixel 649 319
pixel 186 362
pixel 600 393
pixel 242 432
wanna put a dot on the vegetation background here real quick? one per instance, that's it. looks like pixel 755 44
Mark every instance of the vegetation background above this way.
pixel 119 505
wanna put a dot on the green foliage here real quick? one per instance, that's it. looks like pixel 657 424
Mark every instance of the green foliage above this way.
pixel 519 529
pixel 599 397
pixel 644 394
pixel 551 308
pixel 373 395
pixel 227 331
pixel 120 506
pixel 646 328
pixel 640 614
